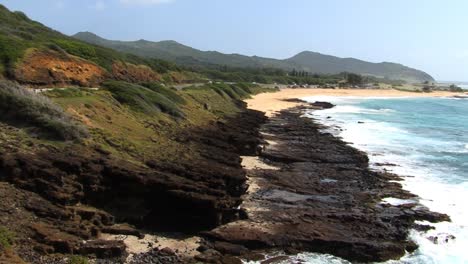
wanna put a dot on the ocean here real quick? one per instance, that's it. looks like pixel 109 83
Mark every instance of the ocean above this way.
pixel 427 138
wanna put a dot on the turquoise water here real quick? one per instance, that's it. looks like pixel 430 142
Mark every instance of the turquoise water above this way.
pixel 428 139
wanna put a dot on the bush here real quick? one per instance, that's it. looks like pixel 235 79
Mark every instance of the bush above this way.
pixel 167 92
pixel 78 260
pixel 21 106
pixel 6 238
pixel 64 92
pixel 77 48
pixel 142 99
pixel 455 88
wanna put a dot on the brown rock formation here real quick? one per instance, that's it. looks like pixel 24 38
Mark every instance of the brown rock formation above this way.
pixel 54 69
pixel 191 195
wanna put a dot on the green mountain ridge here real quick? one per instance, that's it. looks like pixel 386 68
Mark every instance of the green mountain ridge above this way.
pixel 305 61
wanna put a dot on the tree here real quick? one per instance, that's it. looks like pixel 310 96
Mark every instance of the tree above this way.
pixel 455 88
pixel 354 79
pixel 294 72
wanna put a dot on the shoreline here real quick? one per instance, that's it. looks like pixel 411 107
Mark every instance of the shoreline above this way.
pixel 269 103
pixel 315 192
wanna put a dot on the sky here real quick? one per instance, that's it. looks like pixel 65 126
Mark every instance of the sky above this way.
pixel 429 35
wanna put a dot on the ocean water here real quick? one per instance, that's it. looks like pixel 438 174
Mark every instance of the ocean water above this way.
pixel 427 138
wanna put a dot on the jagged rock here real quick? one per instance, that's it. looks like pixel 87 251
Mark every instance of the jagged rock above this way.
pixel 123 229
pixel 156 256
pixel 323 198
pixel 80 191
pixel 323 105
pixel 228 248
pixel 103 248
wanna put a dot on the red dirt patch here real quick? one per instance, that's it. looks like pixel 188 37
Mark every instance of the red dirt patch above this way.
pixel 53 68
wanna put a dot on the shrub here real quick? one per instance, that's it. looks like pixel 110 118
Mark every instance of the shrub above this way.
pixel 77 48
pixel 78 260
pixel 142 99
pixel 167 92
pixel 21 106
pixel 64 92
pixel 6 238
pixel 455 88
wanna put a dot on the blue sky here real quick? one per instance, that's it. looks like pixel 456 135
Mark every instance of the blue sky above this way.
pixel 426 34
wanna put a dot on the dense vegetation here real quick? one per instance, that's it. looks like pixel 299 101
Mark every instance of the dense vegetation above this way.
pixel 169 93
pixel 270 76
pixel 18 33
pixel 306 61
pixel 143 99
pixel 24 107
pixel 265 75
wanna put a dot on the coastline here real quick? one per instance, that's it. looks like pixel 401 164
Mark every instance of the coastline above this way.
pixel 300 201
pixel 269 103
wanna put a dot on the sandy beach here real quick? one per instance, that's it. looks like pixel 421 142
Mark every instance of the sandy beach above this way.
pixel 273 102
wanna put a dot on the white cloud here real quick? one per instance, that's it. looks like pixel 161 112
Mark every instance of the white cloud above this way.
pixel 145 2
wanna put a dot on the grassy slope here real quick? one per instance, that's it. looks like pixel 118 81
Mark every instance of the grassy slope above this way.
pixel 18 34
pixel 137 128
pixel 125 130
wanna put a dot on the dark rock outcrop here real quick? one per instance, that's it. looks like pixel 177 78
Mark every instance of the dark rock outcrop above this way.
pixel 322 198
pixel 81 192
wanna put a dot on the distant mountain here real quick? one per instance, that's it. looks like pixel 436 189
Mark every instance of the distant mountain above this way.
pixel 304 61
pixel 316 62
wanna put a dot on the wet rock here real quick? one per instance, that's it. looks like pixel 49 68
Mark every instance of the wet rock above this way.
pixel 273 260
pixel 423 228
pixel 323 105
pixel 231 260
pixel 295 210
pixel 441 238
pixel 228 248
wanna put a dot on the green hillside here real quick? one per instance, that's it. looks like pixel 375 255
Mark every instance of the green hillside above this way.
pixel 306 61
pixel 316 62
pixel 18 34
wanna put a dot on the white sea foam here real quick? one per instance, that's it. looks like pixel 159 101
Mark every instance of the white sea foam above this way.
pixel 396 201
pixel 386 143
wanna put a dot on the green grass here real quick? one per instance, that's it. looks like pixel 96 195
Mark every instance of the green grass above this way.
pixel 6 238
pixel 21 106
pixel 169 93
pixel 78 260
pixel 142 99
pixel 19 33
pixel 233 91
pixel 65 92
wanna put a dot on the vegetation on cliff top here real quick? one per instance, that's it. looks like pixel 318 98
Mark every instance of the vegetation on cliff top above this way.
pixel 18 33
pixel 24 107
pixel 140 98
pixel 140 122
